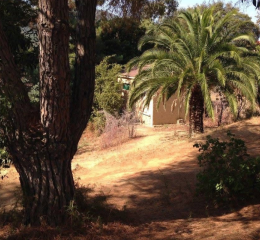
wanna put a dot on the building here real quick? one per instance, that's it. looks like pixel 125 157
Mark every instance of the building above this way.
pixel 170 113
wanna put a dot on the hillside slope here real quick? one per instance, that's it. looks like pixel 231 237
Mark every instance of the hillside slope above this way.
pixel 152 179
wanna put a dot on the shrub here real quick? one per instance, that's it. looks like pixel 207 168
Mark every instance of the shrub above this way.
pixel 5 160
pixel 229 174
pixel 108 91
pixel 118 130
pixel 99 122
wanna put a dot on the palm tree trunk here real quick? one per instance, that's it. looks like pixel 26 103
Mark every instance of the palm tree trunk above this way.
pixel 196 110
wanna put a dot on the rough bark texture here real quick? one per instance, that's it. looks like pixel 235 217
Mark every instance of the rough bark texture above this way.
pixel 53 26
pixel 43 141
pixel 83 89
pixel 196 110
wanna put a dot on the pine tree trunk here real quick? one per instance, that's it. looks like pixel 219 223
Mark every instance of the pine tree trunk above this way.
pixel 42 142
pixel 196 110
pixel 47 185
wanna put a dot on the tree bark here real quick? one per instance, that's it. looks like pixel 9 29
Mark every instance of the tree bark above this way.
pixel 53 25
pixel 196 110
pixel 42 142
pixel 47 184
pixel 84 83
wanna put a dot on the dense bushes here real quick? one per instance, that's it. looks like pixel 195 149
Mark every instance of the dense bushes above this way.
pixel 108 91
pixel 229 174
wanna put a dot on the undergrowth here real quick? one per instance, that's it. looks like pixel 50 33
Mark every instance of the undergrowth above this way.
pixel 87 217
pixel 229 174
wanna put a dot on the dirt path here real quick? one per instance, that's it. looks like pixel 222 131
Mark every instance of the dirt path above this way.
pixel 153 177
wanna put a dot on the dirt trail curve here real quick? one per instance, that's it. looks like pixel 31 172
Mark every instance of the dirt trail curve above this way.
pixel 153 176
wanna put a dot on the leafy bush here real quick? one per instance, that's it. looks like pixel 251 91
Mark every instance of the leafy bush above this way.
pixel 229 174
pixel 108 90
pixel 99 122
pixel 5 160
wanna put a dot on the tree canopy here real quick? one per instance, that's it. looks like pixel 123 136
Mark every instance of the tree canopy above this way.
pixel 141 9
pixel 119 37
pixel 192 54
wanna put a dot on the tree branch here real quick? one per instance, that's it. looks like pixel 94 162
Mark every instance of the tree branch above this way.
pixel 84 82
pixel 12 86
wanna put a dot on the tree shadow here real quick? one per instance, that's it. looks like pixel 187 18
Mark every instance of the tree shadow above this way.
pixel 85 220
pixel 170 194
pixel 164 201
pixel 166 194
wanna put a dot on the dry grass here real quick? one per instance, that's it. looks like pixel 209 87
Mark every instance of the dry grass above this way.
pixel 118 130
pixel 147 187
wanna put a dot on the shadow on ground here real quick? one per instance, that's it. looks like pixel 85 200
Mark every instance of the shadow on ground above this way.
pixel 162 204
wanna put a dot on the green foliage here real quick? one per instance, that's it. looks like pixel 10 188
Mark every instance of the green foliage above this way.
pixel 140 10
pixel 108 89
pixel 229 174
pixel 197 49
pixel 5 159
pixel 33 90
pixel 18 19
pixel 99 122
pixel 242 21
pixel 4 156
pixel 34 93
pixel 119 37
pixel 107 93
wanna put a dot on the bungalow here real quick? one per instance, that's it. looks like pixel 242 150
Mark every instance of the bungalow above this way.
pixel 170 113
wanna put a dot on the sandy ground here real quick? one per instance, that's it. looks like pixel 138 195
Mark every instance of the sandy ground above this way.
pixel 152 177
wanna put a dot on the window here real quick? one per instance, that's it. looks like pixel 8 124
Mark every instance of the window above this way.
pixel 126 86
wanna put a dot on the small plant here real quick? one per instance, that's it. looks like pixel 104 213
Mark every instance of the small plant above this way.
pixel 99 123
pixel 74 216
pixel 229 174
pixel 5 159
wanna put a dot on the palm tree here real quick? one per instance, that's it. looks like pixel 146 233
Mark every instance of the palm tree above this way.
pixel 192 54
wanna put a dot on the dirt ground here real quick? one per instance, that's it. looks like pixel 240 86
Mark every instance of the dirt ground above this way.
pixel 152 178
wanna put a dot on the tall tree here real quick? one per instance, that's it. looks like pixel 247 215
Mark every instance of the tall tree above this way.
pixel 140 9
pixel 42 141
pixel 241 20
pixel 108 91
pixel 192 54
pixel 119 37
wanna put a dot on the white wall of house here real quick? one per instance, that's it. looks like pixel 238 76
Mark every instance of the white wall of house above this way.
pixel 146 114
pixel 150 116
pixel 165 114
